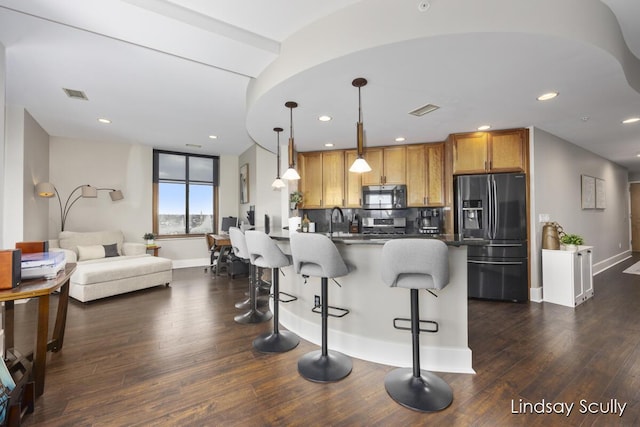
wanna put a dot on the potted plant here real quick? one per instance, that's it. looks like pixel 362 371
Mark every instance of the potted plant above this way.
pixel 149 237
pixel 295 200
pixel 571 241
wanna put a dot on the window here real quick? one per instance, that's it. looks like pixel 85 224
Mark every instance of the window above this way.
pixel 185 193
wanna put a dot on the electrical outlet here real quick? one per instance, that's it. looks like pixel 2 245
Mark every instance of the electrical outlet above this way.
pixel 316 301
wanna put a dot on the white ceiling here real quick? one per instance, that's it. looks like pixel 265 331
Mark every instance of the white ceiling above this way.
pixel 170 73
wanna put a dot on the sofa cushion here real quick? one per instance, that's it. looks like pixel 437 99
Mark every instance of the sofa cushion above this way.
pixel 90 252
pixel 110 250
pixel 71 239
pixel 108 269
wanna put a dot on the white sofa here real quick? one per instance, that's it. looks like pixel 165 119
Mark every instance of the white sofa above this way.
pixel 107 265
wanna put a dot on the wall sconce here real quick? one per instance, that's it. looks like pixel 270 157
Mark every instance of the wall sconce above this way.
pixel 291 173
pixel 278 183
pixel 48 190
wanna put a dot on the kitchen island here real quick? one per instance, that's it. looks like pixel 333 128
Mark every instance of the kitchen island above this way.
pixel 367 332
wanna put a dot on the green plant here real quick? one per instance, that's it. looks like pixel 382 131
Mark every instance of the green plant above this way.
pixel 571 239
pixel 148 236
pixel 295 197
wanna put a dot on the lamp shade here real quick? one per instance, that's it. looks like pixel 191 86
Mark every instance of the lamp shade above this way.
pixel 116 195
pixel 360 166
pixel 290 174
pixel 45 189
pixel 278 184
pixel 89 191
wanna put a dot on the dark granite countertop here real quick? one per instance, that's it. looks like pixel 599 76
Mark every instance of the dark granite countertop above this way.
pixel 380 239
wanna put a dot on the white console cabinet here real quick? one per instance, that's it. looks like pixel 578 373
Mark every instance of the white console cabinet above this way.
pixel 567 276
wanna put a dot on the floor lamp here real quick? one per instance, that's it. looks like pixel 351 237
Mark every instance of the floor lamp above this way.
pixel 48 190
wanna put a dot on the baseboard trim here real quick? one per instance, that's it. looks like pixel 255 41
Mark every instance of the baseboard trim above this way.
pixel 194 262
pixel 610 262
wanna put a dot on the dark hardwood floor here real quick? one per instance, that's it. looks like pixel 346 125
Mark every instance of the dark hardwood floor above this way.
pixel 174 356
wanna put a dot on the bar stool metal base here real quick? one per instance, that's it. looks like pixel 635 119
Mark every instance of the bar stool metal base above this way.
pixel 320 368
pixel 276 342
pixel 253 316
pixel 260 301
pixel 426 393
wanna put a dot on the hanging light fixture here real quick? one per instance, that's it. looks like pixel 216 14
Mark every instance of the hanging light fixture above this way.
pixel 278 183
pixel 291 173
pixel 360 165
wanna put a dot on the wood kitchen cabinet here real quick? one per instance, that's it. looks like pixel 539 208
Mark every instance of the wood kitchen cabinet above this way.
pixel 425 175
pixel 322 179
pixel 353 182
pixel 388 166
pixel 567 276
pixel 497 151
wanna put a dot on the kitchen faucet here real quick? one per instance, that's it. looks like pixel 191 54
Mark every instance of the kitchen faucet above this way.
pixel 331 218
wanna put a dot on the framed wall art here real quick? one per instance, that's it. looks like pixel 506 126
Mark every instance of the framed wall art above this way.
pixel 601 199
pixel 244 183
pixel 588 192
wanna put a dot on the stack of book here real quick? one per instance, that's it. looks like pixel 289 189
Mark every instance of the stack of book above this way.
pixel 42 264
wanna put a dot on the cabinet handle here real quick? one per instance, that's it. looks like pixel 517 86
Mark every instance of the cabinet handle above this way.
pixel 424 200
pixel 485 165
pixel 342 202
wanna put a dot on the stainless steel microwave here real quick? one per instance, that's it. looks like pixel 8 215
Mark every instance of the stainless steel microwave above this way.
pixel 384 196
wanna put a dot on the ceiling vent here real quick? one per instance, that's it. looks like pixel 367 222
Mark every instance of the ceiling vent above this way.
pixel 75 94
pixel 425 109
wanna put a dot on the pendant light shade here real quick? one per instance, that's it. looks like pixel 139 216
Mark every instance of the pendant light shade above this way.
pixel 278 184
pixel 360 165
pixel 291 173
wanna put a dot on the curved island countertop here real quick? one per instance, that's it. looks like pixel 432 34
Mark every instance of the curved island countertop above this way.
pixel 367 332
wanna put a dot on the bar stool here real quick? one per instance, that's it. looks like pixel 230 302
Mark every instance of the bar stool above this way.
pixel 239 246
pixel 416 264
pixel 315 255
pixel 265 253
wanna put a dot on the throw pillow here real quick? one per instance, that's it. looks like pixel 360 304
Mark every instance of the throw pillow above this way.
pixel 111 250
pixel 90 252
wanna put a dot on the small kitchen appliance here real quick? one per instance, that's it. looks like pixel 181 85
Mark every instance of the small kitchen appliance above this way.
pixel 429 221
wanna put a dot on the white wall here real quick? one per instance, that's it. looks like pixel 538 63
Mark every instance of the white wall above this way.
pixel 13 223
pixel 3 67
pixel 556 190
pixel 36 169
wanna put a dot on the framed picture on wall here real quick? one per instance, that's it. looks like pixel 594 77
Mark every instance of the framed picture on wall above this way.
pixel 244 183
pixel 601 199
pixel 588 192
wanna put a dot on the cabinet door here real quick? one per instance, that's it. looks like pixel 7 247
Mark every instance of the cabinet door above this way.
pixel 470 153
pixel 435 174
pixel 394 165
pixel 507 151
pixel 373 156
pixel 333 178
pixel 417 171
pixel 586 274
pixel 310 165
pixel 577 279
pixel 353 182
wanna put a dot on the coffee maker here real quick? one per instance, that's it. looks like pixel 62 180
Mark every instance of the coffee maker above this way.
pixel 429 221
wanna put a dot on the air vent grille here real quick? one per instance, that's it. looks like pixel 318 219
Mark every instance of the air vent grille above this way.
pixel 425 109
pixel 75 94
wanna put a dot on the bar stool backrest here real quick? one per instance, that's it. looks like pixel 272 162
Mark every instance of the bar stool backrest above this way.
pixel 238 243
pixel 263 251
pixel 415 263
pixel 316 255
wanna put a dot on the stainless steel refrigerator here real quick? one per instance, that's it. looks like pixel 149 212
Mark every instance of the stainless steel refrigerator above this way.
pixel 493 207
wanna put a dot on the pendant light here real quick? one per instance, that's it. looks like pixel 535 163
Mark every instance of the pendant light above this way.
pixel 278 183
pixel 291 173
pixel 360 165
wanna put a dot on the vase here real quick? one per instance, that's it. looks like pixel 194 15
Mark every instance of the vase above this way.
pixel 570 248
pixel 149 242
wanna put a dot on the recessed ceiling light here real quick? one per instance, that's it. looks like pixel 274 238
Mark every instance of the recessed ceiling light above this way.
pixel 329 144
pixel 425 109
pixel 194 145
pixel 105 121
pixel 484 127
pixel 324 118
pixel 75 94
pixel 213 137
pixel 400 139
pixel 547 96
pixel 631 120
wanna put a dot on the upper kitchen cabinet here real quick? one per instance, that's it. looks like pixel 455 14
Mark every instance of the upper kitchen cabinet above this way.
pixel 425 175
pixel 388 166
pixel 322 179
pixel 353 182
pixel 497 151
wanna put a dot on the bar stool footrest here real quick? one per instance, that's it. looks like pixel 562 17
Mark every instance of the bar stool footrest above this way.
pixel 404 328
pixel 318 309
pixel 290 299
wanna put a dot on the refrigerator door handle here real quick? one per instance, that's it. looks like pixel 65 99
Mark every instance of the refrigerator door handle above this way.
pixel 489 208
pixel 505 245
pixel 495 262
pixel 495 206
